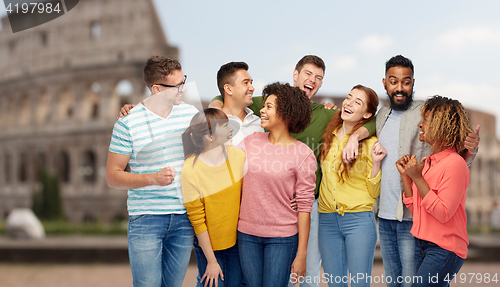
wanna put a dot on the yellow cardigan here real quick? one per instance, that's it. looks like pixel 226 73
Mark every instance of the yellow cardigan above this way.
pixel 212 197
pixel 357 192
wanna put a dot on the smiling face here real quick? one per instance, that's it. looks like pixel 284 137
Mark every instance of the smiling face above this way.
pixel 242 89
pixel 171 94
pixel 422 125
pixel 309 79
pixel 223 133
pixel 354 107
pixel 269 118
pixel 398 83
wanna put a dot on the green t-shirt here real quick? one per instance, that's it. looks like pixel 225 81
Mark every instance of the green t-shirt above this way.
pixel 313 133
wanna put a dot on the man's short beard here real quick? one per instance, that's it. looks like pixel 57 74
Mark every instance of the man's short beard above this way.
pixel 405 105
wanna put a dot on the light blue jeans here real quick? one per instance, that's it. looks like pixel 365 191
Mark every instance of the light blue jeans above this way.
pixel 267 261
pixel 397 247
pixel 159 248
pixel 347 243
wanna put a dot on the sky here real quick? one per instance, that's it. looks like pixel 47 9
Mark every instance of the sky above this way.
pixel 454 45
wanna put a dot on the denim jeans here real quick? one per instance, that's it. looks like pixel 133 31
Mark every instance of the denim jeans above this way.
pixel 397 246
pixel 229 262
pixel 435 266
pixel 313 261
pixel 267 261
pixel 159 248
pixel 347 243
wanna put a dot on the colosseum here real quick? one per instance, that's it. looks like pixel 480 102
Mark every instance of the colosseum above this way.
pixel 61 87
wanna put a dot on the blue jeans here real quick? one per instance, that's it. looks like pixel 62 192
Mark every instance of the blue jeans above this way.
pixel 435 265
pixel 229 262
pixel 267 261
pixel 159 248
pixel 313 261
pixel 397 247
pixel 347 243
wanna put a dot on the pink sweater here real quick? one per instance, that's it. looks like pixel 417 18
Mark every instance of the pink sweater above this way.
pixel 274 175
pixel 440 217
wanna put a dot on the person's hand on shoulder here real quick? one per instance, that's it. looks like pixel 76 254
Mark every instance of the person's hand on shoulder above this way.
pixel 329 106
pixel 125 110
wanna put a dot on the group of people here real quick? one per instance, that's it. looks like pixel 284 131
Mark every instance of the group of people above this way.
pixel 271 198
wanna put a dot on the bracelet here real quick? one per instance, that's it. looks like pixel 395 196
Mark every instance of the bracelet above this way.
pixel 475 150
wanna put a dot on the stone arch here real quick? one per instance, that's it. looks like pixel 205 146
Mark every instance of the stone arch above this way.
pixel 40 165
pixel 11 112
pixel 124 89
pixel 43 108
pixel 121 94
pixel 89 166
pixel 95 30
pixel 22 175
pixel 7 163
pixel 90 102
pixel 65 104
pixel 63 167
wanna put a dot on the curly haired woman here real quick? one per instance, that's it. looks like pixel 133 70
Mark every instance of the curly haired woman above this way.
pixel 435 192
pixel 272 237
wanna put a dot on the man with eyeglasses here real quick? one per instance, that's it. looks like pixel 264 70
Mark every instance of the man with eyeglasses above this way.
pixel 160 235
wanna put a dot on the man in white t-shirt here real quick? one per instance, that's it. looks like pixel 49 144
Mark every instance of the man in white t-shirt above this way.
pixel 149 140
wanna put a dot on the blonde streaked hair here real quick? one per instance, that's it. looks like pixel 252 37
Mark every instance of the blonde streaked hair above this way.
pixel 447 123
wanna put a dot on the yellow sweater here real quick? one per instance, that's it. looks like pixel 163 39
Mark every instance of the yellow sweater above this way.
pixel 212 197
pixel 357 192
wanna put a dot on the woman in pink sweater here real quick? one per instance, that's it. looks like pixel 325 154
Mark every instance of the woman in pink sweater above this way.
pixel 272 237
pixel 435 191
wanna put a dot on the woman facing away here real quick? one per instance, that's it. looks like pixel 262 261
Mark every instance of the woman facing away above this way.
pixel 272 237
pixel 347 228
pixel 435 190
pixel 211 185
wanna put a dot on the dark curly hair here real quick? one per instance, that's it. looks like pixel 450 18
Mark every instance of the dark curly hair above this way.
pixel 292 105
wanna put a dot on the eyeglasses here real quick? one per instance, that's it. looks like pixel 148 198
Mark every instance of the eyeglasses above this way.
pixel 179 87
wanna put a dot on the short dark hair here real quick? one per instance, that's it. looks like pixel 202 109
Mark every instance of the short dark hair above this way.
pixel 310 59
pixel 225 75
pixel 157 68
pixel 292 105
pixel 399 61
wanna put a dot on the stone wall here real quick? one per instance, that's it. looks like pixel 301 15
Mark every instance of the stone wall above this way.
pixel 61 87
